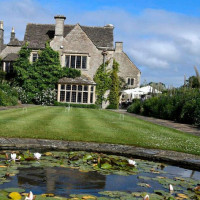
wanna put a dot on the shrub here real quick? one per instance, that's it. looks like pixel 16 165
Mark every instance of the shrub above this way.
pixel 135 107
pixel 181 105
pixel 8 95
pixel 92 106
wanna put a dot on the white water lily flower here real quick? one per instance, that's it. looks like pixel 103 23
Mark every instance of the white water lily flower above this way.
pixel 146 197
pixel 37 155
pixel 171 189
pixel 30 196
pixel 131 162
pixel 13 156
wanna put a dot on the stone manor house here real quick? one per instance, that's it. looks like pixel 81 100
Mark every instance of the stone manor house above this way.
pixel 81 47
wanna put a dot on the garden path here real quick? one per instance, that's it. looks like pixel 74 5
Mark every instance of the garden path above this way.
pixel 167 123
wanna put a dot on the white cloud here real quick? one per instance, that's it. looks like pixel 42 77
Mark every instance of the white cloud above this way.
pixel 164 45
pixel 18 13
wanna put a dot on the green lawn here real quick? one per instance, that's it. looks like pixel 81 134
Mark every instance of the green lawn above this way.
pixel 93 126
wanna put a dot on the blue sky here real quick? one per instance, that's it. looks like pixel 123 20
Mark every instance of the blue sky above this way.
pixel 162 37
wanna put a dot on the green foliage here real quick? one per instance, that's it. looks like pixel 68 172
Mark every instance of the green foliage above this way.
pixel 114 87
pixel 135 107
pixel 2 76
pixel 92 106
pixel 39 79
pixel 103 81
pixel 181 105
pixel 8 95
pixel 193 82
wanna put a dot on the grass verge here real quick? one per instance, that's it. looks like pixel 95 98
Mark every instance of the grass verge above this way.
pixel 92 125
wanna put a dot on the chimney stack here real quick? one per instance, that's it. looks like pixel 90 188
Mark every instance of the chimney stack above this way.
pixel 118 47
pixel 12 36
pixel 59 28
pixel 1 36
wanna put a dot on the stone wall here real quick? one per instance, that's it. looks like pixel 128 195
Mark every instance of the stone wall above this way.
pixel 127 68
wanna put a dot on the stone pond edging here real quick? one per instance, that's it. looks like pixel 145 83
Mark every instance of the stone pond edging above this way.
pixel 175 158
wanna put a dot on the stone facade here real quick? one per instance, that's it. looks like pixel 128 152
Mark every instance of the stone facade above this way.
pixel 86 47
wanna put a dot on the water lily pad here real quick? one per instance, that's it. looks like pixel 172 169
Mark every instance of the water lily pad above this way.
pixel 106 166
pixel 19 190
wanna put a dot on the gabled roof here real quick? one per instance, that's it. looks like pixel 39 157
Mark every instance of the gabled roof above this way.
pixel 11 57
pixel 15 42
pixel 38 34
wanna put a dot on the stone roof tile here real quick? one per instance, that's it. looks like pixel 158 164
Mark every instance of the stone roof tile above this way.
pixel 11 57
pixel 38 34
pixel 83 80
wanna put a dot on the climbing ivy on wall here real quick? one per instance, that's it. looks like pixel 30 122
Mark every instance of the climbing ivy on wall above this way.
pixel 108 80
pixel 114 87
pixel 103 81
pixel 40 77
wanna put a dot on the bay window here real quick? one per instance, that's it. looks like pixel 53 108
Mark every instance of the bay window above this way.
pixel 74 93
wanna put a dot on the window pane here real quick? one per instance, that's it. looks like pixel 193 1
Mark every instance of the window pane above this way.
pixel 62 87
pixel 67 96
pixel 7 67
pixel 91 97
pixel 85 88
pixel 132 81
pixel 84 62
pixel 85 97
pixel 73 97
pixel 67 60
pixel 11 66
pixel 73 87
pixel 35 57
pixel 92 88
pixel 62 96
pixel 78 62
pixel 68 87
pixel 80 88
pixel 73 61
pixel 79 100
pixel 128 81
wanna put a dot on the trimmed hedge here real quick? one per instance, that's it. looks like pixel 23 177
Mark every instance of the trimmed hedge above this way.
pixel 181 105
pixel 92 106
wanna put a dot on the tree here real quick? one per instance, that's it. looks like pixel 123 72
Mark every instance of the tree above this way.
pixel 115 87
pixel 103 81
pixel 40 78
pixel 192 82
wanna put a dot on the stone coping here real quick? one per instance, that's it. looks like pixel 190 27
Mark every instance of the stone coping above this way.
pixel 175 158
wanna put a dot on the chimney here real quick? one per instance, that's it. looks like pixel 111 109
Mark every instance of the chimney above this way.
pixel 12 36
pixel 118 47
pixel 59 29
pixel 1 36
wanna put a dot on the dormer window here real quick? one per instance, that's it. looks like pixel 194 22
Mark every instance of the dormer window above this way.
pixel 76 61
pixel 130 81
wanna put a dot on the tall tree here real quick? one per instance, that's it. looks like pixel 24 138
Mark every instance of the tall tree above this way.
pixel 103 81
pixel 115 87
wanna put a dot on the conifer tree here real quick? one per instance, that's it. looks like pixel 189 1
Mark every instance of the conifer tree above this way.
pixel 115 87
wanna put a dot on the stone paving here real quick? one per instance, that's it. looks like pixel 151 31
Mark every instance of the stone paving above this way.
pixel 167 123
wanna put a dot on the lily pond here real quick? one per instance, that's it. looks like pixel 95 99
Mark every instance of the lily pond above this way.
pixel 82 175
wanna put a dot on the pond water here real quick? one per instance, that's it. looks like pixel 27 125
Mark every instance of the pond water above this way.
pixel 67 173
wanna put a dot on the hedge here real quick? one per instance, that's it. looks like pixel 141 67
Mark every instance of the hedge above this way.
pixel 181 105
pixel 92 106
